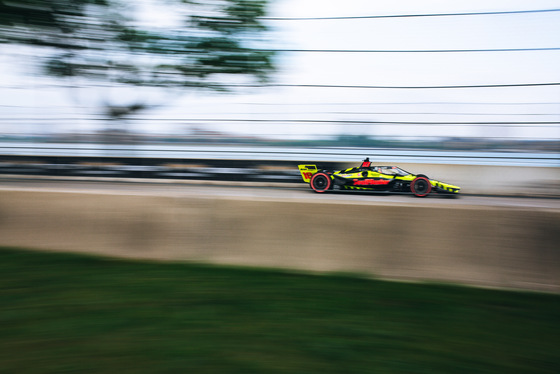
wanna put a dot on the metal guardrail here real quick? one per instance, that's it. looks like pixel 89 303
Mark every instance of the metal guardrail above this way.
pixel 225 163
pixel 270 153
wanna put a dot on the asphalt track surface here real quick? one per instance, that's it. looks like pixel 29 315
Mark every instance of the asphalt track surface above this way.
pixel 267 192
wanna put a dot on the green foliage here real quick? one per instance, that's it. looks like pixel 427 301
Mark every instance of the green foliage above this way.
pixel 95 39
pixel 234 14
pixel 40 15
pixel 72 313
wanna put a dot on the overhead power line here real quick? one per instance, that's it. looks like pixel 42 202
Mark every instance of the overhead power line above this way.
pixel 410 15
pixel 412 50
pixel 269 85
pixel 365 122
pixel 396 87
pixel 546 124
pixel 444 113
pixel 397 103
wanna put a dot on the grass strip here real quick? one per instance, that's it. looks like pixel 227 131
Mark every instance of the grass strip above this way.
pixel 66 313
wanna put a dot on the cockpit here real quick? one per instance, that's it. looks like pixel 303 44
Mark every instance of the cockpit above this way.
pixel 386 170
pixel 390 170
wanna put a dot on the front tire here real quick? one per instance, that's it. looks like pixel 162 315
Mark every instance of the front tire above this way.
pixel 421 187
pixel 320 182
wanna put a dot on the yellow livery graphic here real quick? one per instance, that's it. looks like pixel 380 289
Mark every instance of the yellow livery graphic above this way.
pixel 307 172
pixel 367 177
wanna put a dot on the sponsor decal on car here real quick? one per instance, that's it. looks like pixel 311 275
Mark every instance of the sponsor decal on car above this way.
pixel 371 182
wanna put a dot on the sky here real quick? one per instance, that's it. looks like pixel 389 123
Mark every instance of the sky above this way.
pixel 328 111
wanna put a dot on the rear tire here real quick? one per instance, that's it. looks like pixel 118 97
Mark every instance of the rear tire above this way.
pixel 320 182
pixel 421 187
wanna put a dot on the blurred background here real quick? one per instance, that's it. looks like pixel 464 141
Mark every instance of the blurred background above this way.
pixel 208 79
pixel 233 90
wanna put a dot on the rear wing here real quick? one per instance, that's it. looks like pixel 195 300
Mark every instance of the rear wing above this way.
pixel 307 172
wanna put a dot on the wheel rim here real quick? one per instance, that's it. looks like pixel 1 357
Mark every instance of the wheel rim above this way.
pixel 320 182
pixel 421 187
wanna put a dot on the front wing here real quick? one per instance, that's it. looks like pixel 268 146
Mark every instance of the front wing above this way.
pixel 444 187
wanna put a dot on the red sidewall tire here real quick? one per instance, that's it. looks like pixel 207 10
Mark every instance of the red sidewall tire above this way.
pixel 424 192
pixel 320 182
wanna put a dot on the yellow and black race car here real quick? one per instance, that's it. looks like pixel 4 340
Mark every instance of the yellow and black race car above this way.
pixel 374 178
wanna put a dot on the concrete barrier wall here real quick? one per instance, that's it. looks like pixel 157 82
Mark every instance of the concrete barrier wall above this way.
pixel 498 247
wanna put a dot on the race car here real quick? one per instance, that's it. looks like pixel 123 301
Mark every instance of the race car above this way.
pixel 374 178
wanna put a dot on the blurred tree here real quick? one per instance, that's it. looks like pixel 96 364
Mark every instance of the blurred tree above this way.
pixel 98 40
